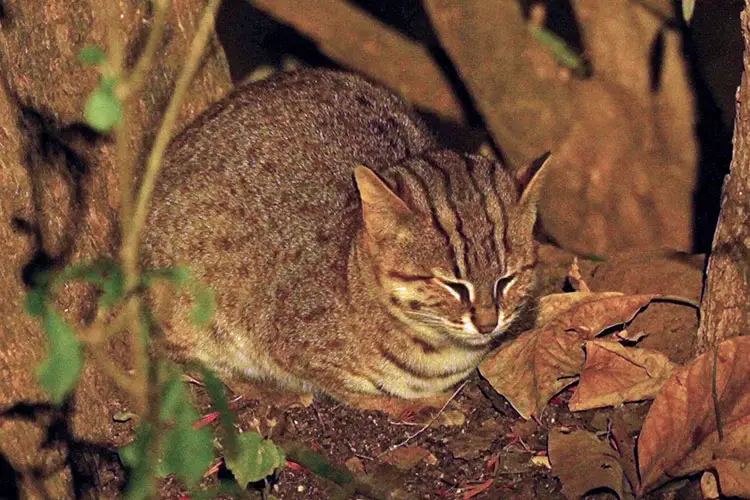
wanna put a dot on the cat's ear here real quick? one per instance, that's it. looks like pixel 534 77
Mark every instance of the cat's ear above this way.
pixel 382 210
pixel 531 181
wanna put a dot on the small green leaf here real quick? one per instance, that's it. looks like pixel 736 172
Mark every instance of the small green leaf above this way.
pixel 113 288
pixel 204 306
pixel 90 272
pixel 188 452
pixel 103 110
pixel 561 51
pixel 60 371
pixel 215 389
pixel 134 456
pixel 36 302
pixel 688 7
pixel 594 258
pixel 178 276
pixel 256 459
pixel 173 397
pixel 91 55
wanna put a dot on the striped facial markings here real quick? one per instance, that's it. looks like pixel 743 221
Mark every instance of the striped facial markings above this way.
pixel 480 170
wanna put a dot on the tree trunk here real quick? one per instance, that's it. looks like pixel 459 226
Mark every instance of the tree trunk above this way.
pixel 59 199
pixel 725 305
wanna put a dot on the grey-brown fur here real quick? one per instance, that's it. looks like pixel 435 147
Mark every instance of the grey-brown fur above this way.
pixel 258 196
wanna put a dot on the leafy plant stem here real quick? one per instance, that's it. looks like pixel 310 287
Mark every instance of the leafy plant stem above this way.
pixel 137 78
pixel 112 370
pixel 152 418
pixel 153 164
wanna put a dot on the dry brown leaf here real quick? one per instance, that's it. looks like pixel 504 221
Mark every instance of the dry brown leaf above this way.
pixel 531 369
pixel 625 447
pixel 452 418
pixel 408 457
pixel 575 278
pixel 631 337
pixel 680 435
pixel 471 445
pixel 556 303
pixel 734 477
pixel 583 463
pixel 355 465
pixel 709 486
pixel 614 374
pixel 541 461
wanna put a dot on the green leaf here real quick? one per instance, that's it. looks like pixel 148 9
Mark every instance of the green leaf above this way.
pixel 594 258
pixel 60 371
pixel 113 288
pixel 256 459
pixel 91 55
pixel 204 306
pixel 134 456
pixel 35 303
pixel 103 109
pixel 215 389
pixel 178 276
pixel 688 6
pixel 188 452
pixel 105 273
pixel 173 397
pixel 90 272
pixel 561 51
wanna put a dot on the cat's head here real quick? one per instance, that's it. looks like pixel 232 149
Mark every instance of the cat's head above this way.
pixel 449 239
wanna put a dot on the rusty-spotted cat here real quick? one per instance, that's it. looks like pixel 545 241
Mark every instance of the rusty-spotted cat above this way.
pixel 348 253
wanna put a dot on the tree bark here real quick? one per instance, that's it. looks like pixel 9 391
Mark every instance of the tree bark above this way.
pixel 59 199
pixel 725 305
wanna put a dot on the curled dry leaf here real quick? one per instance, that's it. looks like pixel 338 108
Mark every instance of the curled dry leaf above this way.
pixel 575 278
pixel 627 336
pixel 531 369
pixel 613 374
pixel 408 457
pixel 554 304
pixel 584 463
pixel 680 435
pixel 709 486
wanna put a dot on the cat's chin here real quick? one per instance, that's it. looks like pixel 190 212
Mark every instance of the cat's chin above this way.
pixel 475 339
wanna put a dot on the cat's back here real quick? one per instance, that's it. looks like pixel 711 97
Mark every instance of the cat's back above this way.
pixel 263 179
pixel 307 126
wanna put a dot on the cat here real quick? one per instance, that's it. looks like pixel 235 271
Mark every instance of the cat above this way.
pixel 349 254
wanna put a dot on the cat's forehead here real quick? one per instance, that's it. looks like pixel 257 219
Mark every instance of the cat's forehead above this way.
pixel 469 201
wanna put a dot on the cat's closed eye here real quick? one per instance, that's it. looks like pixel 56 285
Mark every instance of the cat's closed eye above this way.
pixel 503 284
pixel 460 290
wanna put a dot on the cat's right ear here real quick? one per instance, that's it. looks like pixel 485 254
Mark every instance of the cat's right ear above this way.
pixel 383 211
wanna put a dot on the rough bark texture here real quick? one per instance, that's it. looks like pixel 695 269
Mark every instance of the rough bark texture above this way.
pixel 58 204
pixel 624 152
pixel 726 298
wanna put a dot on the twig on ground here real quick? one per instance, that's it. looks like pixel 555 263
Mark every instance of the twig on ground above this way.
pixel 429 422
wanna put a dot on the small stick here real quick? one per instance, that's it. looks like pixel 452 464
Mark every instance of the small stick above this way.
pixel 428 424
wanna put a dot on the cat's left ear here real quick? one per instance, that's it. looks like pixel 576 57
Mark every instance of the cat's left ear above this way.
pixel 383 211
pixel 531 181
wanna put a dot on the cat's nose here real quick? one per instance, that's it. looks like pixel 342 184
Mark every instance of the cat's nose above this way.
pixel 485 319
